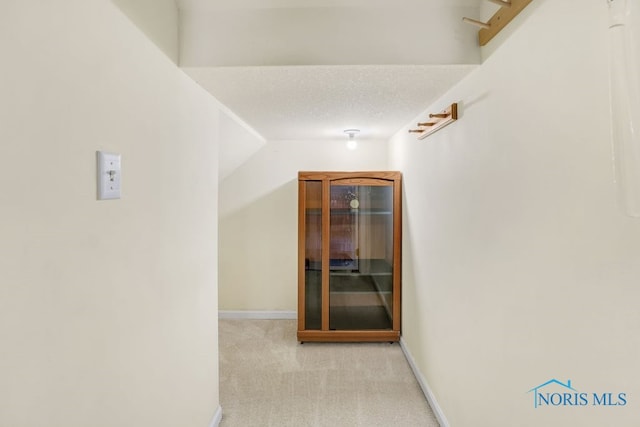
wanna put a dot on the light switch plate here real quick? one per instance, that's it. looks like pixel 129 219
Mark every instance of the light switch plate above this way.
pixel 109 175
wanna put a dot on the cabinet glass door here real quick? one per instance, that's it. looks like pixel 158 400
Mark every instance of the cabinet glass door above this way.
pixel 313 255
pixel 361 255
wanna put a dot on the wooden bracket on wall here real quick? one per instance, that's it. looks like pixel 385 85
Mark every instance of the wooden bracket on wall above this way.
pixel 508 10
pixel 437 121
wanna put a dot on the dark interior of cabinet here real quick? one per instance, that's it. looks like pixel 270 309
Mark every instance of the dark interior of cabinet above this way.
pixel 366 308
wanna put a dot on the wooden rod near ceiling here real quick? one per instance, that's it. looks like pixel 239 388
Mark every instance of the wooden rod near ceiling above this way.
pixel 502 3
pixel 508 10
pixel 501 19
pixel 476 22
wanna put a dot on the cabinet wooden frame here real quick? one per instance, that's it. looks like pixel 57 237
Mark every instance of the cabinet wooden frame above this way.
pixel 324 333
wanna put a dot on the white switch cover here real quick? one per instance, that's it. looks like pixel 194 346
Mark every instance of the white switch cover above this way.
pixel 109 176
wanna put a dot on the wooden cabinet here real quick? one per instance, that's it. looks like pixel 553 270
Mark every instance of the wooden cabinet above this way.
pixel 349 242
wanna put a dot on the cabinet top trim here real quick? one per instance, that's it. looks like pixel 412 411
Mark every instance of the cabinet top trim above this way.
pixel 320 176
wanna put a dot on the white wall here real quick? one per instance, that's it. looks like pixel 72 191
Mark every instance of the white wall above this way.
pixel 108 309
pixel 237 143
pixel 334 35
pixel 259 219
pixel 518 266
pixel 158 19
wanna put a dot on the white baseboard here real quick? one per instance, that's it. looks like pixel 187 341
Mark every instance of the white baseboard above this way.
pixel 437 410
pixel 217 417
pixel 267 315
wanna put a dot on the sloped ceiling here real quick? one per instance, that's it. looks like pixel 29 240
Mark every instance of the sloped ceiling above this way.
pixel 308 69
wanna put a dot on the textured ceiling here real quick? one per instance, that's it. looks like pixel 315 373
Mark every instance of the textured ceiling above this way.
pixel 319 102
pixel 308 69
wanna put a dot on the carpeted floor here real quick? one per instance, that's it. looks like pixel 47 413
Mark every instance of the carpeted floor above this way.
pixel 267 378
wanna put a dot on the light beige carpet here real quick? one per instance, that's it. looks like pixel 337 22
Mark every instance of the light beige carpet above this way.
pixel 267 378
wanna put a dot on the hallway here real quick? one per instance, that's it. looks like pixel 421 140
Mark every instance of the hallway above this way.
pixel 267 378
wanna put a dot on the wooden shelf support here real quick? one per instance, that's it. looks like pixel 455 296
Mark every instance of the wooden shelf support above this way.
pixel 437 121
pixel 508 10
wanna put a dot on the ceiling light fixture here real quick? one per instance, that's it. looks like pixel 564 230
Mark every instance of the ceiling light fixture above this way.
pixel 352 144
